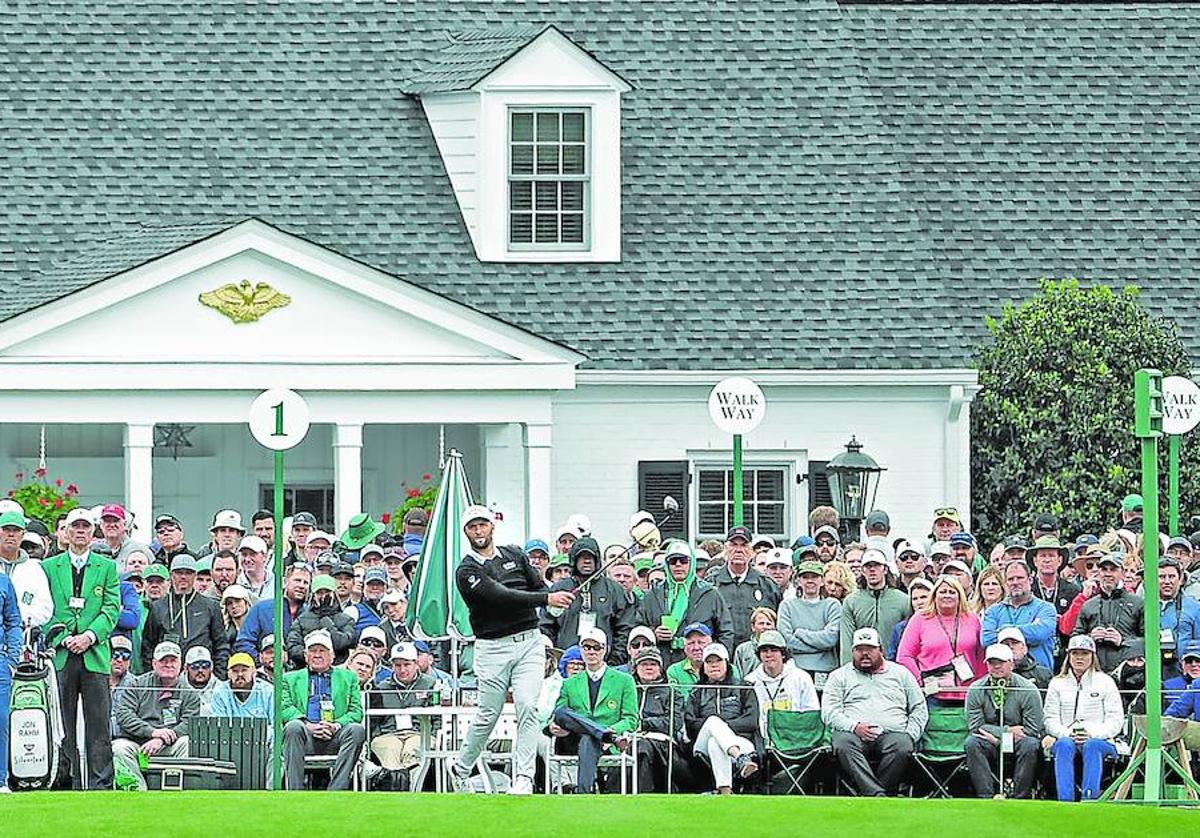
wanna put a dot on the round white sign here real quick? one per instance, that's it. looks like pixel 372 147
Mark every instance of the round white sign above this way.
pixel 1181 404
pixel 736 405
pixel 279 419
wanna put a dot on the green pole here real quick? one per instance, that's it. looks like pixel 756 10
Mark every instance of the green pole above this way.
pixel 1147 424
pixel 1173 484
pixel 277 743
pixel 737 480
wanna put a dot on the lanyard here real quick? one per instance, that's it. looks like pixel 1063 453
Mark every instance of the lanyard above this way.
pixel 953 640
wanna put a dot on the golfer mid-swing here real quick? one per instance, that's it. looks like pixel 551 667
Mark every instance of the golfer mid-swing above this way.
pixel 502 591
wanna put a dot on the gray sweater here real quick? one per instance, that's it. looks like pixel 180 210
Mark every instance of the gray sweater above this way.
pixel 811 628
pixel 889 698
pixel 880 610
pixel 140 706
pixel 1022 706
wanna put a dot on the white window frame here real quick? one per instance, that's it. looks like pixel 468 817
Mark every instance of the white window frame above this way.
pixel 787 466
pixel 535 178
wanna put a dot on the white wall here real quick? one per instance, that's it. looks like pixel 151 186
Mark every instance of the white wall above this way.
pixel 601 431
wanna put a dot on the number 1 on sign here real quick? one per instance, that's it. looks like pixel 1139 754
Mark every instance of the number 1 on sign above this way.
pixel 278 420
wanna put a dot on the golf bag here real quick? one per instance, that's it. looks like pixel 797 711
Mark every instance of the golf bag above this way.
pixel 35 729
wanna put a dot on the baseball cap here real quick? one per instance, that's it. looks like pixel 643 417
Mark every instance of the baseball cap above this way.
pixel 1087 539
pixel 1131 503
pixel 375 574
pixel 227 518
pixel 404 652
pixel 907 546
pixel 304 519
pixel 957 565
pixel 650 653
pixel 167 521
pixel 762 539
pixel 875 557
pixel 779 556
pixel 1010 633
pixel 715 650
pixel 537 544
pixel 810 567
pixel 252 543
pixel 770 639
pixel 642 631
pixel 962 539
pixel 235 591
pixel 939 548
pixel 394 595
pixel 322 582
pixel 595 635
pixel 184 562
pixel 10 505
pixel 320 535
pixel 197 654
pixel 267 642
pixel 240 659
pixel 1114 559
pixel 1082 641
pixel 877 518
pixel 740 532
pixel 120 641
pixel 948 513
pixel 694 628
pixel 154 571
pixel 866 637
pixel 826 530
pixel 373 549
pixel 113 510
pixel 998 652
pixel 167 649
pixel 416 517
pixel 320 637
pixel 204 565
pixel 803 550
pixel 12 518
pixel 326 558
pixel 372 633
pixel 1016 542
pixel 677 548
pixel 476 512
pixel 921 582
pixel 1047 522
pixel 1191 651
pixel 127 575
pixel 342 569
pixel 1178 541
pixel 424 649
pixel 79 513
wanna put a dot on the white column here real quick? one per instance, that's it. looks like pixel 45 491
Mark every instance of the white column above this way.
pixel 347 473
pixel 504 480
pixel 956 452
pixel 139 478
pixel 537 479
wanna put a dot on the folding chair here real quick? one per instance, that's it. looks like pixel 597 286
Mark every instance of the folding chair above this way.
pixel 941 754
pixel 796 740
pixel 621 761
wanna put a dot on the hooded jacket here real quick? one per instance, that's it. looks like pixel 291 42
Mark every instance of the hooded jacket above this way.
pixel 194 620
pixel 705 605
pixel 32 587
pixel 323 616
pixel 604 601
pixel 1118 609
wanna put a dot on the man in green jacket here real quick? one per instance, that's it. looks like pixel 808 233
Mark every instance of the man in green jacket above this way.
pixel 876 605
pixel 322 714
pixel 596 707
pixel 87 601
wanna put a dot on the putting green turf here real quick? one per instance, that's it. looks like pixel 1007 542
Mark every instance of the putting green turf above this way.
pixel 220 814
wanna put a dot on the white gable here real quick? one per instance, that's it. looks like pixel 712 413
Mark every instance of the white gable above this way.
pixel 552 61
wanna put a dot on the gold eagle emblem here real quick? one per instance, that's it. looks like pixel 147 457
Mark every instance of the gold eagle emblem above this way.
pixel 243 303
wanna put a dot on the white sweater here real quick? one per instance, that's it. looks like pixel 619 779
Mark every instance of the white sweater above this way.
pixel 791 689
pixel 33 590
pixel 1094 701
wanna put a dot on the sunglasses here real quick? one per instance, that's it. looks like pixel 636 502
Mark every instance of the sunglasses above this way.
pixel 122 655
pixel 679 560
pixel 826 542
pixel 591 647
pixel 200 665
pixel 639 644
pixel 944 511
pixel 373 642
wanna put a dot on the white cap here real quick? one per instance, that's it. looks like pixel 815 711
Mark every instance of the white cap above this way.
pixel 317 535
pixel 866 637
pixel 320 637
pixel 367 549
pixel 638 517
pixel 477 512
pixel 404 651
pixel 235 591
pixel 715 649
pixel 759 538
pixel 252 543
pixel 1082 641
pixel 906 545
pixel 1010 633
pixel 998 652
pixel 643 631
pixel 196 654
pixel 580 524
pixel 596 635
pixel 921 582
pixel 10 505
pixel 228 518
pixel 882 544
pixel 167 648
pixel 373 632
pixel 779 555
pixel 957 565
pixel 940 548
pixel 32 538
pixel 394 595
pixel 80 513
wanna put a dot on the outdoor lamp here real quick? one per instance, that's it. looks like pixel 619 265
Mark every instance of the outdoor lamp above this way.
pixel 853 482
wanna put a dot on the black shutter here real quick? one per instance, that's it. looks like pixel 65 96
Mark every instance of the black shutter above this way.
pixel 656 480
pixel 818 485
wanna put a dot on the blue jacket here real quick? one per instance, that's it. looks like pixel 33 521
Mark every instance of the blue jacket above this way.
pixel 131 609
pixel 364 617
pixel 1036 619
pixel 258 624
pixel 1172 687
pixel 10 620
pixel 1186 704
pixel 1183 626
pixel 260 704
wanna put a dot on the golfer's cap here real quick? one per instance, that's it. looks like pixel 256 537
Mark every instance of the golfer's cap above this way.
pixel 228 518
pixel 537 544
pixel 322 582
pixel 866 637
pixel 907 546
pixel 939 548
pixel 677 548
pixel 235 591
pixel 183 562
pixel 120 641
pixel 375 574
pixel 197 654
pixel 320 637
pixel 1180 541
pixel 763 540
pixel 1016 542
pixel 395 595
pixel 424 649
pixel 770 639
pixel 79 513
pixel 877 518
pixel 240 659
pixel 810 567
pixel 779 556
pixel 34 540
pixel 1082 641
pixel 962 539
pixel 404 652
pixel 320 535
pixel 167 521
pixel 342 569
pixel 716 650
pixel 635 519
pixel 1110 559
pixel 874 556
pixel 375 549
pixel 644 632
pixel 167 649
pixel 826 530
pixel 12 518
pixel 252 543
pixel 113 510
pixel 739 532
pixel 1192 651
pixel 956 565
pixel 697 628
pixel 921 582
pixel 154 571
pixel 1131 503
pixel 267 642
pixel 373 633
pixel 476 512
pixel 595 635
pixel 326 558
pixel 1010 633
pixel 650 653
pixel 998 652
pixel 304 519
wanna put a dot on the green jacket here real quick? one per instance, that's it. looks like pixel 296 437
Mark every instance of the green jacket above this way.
pixel 347 698
pixel 101 594
pixel 616 703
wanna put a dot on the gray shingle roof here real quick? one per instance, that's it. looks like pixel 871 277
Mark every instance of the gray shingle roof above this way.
pixel 469 57
pixel 858 184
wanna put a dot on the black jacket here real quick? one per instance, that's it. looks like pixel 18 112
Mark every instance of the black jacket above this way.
pixel 193 620
pixel 743 597
pixel 610 607
pixel 1120 610
pixel 654 709
pixel 1034 671
pixel 738 707
pixel 705 605
pixel 341 628
pixel 502 594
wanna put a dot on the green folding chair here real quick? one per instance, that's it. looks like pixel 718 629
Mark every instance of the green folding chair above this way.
pixel 941 754
pixel 796 740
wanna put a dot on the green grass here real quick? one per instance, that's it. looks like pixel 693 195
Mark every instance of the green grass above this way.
pixel 332 815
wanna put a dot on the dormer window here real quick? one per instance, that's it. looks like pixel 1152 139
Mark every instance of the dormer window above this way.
pixel 548 179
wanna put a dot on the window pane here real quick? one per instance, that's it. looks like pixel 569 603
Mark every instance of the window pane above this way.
pixel 572 127
pixel 520 227
pixel 770 518
pixel 547 127
pixel 522 127
pixel 547 159
pixel 712 517
pixel 522 160
pixel 748 493
pixel 572 195
pixel 770 484
pixel 520 195
pixel 712 485
pixel 572 227
pixel 545 227
pixel 547 195
pixel 572 160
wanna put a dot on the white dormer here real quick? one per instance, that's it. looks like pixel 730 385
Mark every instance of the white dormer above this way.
pixel 528 125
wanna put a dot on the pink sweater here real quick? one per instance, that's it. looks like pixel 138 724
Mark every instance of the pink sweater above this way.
pixel 926 645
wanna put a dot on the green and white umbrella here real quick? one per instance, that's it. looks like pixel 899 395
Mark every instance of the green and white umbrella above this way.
pixel 436 610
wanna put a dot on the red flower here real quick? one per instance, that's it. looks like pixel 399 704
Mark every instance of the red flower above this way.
pixel 386 518
pixel 58 503
pixel 43 502
pixel 72 489
pixel 58 482
pixel 426 476
pixel 412 493
pixel 11 492
pixel 20 475
pixel 39 472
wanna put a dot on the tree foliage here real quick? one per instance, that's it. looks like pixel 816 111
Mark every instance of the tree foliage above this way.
pixel 1052 427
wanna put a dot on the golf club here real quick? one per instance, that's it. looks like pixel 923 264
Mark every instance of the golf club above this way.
pixel 670 507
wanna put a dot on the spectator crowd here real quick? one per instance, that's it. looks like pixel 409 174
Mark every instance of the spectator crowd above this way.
pixel 696 665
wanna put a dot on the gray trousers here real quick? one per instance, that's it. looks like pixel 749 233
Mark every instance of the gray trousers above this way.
pixel 1021 765
pixel 298 742
pixel 517 663
pixel 891 750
